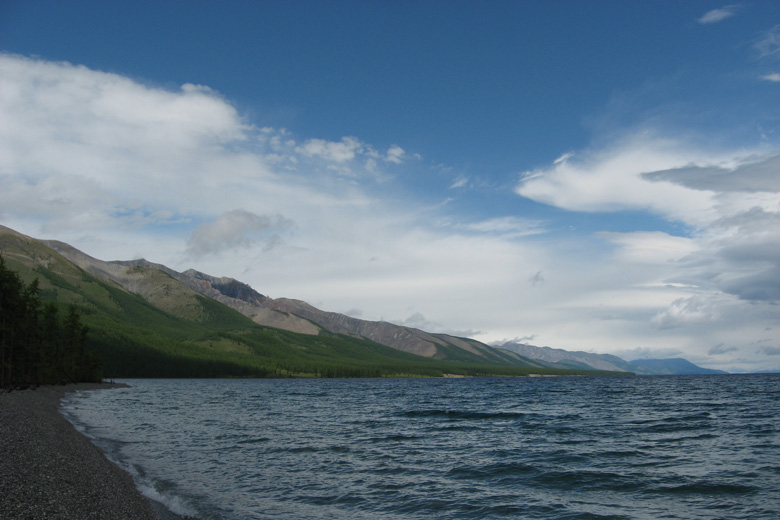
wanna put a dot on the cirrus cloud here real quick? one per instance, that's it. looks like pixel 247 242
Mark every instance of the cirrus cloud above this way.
pixel 718 15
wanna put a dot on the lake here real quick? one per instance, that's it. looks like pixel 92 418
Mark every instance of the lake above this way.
pixel 675 447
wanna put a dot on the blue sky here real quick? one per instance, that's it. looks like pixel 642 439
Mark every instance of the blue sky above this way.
pixel 597 176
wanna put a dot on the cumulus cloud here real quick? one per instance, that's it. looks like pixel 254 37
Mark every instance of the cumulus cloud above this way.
pixel 683 312
pixel 81 149
pixel 122 149
pixel 237 229
pixel 731 201
pixel 395 154
pixel 121 169
pixel 721 274
pixel 339 152
pixel 124 169
pixel 718 15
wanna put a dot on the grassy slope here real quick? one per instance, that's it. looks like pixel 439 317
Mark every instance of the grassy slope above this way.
pixel 135 338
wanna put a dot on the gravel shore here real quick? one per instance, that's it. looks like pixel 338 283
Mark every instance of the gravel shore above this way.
pixel 48 470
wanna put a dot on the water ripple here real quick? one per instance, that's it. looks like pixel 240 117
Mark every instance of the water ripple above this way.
pixel 546 448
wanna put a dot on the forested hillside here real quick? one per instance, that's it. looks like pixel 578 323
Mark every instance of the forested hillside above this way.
pixel 37 345
pixel 193 336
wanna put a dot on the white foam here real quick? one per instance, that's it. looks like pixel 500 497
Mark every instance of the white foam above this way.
pixel 174 503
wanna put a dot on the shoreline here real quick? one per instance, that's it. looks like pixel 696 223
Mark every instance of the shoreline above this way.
pixel 48 469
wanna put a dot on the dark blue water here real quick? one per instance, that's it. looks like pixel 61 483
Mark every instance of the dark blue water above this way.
pixel 679 447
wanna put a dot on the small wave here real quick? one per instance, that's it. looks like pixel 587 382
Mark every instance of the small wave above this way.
pixel 589 480
pixel 492 471
pixel 177 505
pixel 253 440
pixel 462 414
pixel 394 438
pixel 162 493
pixel 708 488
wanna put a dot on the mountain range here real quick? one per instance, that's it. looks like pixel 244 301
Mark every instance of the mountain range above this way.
pixel 140 307
pixel 671 366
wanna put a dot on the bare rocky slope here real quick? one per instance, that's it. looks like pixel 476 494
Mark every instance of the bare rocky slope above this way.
pixel 177 292
pixel 182 294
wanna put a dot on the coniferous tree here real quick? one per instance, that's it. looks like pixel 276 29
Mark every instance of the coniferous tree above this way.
pixel 10 313
pixel 30 334
pixel 50 338
pixel 34 347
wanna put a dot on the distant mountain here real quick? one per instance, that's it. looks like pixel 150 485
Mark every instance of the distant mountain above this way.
pixel 555 357
pixel 175 315
pixel 673 366
pixel 147 320
pixel 565 358
pixel 153 282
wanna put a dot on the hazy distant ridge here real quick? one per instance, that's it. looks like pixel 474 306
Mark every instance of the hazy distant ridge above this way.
pixel 673 366
pixel 178 292
pixel 556 355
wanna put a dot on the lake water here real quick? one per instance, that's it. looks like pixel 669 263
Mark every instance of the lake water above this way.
pixel 677 447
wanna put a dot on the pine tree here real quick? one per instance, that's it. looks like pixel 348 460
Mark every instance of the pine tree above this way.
pixel 10 315
pixel 34 347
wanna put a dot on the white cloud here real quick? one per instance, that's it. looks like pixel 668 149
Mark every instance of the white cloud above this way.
pixel 237 229
pixel 395 154
pixel 461 182
pixel 123 170
pixel 82 160
pixel 648 353
pixel 718 15
pixel 774 77
pixel 612 180
pixel 768 46
pixel 650 247
pixel 717 284
pixel 563 158
pixel 507 227
pixel 342 151
pixel 685 311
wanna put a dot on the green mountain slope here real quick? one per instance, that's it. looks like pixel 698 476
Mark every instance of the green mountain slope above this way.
pixel 143 322
pixel 149 280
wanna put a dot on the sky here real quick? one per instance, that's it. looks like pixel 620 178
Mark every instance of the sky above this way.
pixel 597 176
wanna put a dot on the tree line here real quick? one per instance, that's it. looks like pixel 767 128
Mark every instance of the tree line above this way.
pixel 37 345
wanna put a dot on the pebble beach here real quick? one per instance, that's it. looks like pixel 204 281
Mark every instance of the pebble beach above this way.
pixel 48 470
